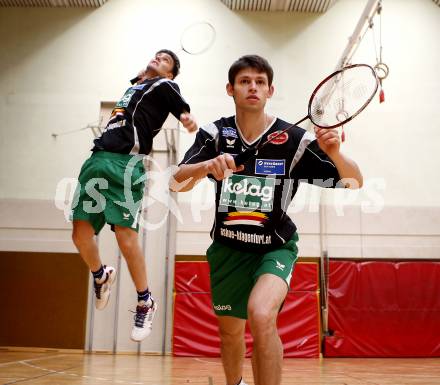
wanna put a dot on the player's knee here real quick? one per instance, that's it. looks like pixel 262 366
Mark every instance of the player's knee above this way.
pixel 79 238
pixel 229 335
pixel 124 243
pixel 76 237
pixel 127 238
pixel 260 319
pixel 81 234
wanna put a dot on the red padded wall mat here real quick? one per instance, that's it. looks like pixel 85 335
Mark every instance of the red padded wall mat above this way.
pixel 384 309
pixel 195 325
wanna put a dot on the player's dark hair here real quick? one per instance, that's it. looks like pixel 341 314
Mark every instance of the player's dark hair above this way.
pixel 250 61
pixel 176 66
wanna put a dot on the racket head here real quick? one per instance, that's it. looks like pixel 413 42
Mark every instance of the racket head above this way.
pixel 342 95
pixel 197 38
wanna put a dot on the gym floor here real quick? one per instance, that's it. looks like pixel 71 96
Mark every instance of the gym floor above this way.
pixel 54 367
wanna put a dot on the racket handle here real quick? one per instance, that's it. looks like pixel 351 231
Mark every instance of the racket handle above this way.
pixel 135 80
pixel 244 156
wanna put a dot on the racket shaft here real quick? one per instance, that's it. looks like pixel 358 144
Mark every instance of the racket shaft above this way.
pixel 283 131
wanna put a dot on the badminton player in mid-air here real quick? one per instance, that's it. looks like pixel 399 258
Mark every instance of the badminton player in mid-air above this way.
pixel 111 181
pixel 254 247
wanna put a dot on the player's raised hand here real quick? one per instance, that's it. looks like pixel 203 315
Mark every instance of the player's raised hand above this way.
pixel 328 140
pixel 188 121
pixel 141 76
pixel 222 166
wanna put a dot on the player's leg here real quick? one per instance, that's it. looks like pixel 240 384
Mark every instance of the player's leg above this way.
pixel 126 175
pixel 129 245
pixel 264 303
pixel 85 216
pixel 232 279
pixel 272 282
pixel 233 347
pixel 83 236
pixel 103 276
pixel 88 219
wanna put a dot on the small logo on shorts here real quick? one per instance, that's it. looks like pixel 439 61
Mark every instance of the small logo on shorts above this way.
pixel 222 307
pixel 280 266
pixel 126 216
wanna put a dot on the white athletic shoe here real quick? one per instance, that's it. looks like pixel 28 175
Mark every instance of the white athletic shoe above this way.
pixel 103 287
pixel 143 320
pixel 242 383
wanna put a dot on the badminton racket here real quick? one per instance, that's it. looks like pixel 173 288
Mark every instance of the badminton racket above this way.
pixel 336 100
pixel 196 38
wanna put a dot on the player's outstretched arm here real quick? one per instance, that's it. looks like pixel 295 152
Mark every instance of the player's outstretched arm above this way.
pixel 189 122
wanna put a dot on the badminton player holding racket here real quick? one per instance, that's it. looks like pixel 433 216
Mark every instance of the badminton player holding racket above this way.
pixel 105 195
pixel 254 247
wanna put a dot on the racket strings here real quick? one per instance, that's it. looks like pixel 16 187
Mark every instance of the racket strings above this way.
pixel 342 96
pixel 197 38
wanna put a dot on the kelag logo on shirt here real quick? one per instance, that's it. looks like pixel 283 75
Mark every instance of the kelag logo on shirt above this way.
pixel 253 193
pixel 126 98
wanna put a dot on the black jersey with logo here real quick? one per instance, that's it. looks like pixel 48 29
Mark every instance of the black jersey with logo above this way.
pixel 251 205
pixel 139 116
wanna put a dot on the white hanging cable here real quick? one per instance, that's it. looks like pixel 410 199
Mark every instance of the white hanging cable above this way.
pixel 96 128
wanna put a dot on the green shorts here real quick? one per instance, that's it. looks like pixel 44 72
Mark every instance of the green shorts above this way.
pixel 110 190
pixel 234 273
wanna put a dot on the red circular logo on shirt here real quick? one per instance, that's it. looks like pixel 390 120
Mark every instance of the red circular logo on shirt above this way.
pixel 278 138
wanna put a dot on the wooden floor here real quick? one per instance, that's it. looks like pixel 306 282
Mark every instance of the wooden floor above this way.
pixel 72 368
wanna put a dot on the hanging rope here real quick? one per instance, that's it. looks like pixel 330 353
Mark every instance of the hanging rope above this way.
pixel 95 127
pixel 382 70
